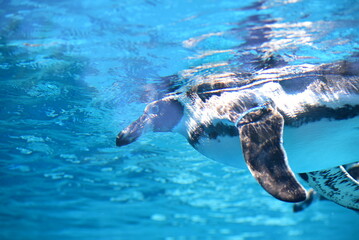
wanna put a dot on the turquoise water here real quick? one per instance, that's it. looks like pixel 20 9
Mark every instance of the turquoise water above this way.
pixel 74 73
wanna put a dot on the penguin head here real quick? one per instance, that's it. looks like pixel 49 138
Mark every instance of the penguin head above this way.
pixel 159 116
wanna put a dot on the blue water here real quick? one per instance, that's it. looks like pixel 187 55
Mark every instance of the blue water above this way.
pixel 74 73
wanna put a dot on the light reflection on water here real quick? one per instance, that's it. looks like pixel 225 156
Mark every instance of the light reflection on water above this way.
pixel 74 73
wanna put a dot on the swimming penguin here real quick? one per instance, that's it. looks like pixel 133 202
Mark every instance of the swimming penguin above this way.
pixel 278 121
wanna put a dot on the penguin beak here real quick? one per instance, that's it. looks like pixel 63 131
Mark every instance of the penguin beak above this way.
pixel 134 130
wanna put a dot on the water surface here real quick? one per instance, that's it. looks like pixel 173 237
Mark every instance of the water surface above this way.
pixel 74 73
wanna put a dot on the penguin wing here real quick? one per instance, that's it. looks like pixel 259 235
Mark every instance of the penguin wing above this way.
pixel 335 184
pixel 260 133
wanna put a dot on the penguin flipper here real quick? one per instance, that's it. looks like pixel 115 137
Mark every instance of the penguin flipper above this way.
pixel 335 184
pixel 260 133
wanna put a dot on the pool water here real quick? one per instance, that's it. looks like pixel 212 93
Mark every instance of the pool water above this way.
pixel 74 73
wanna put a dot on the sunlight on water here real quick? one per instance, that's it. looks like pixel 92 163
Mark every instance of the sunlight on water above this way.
pixel 74 73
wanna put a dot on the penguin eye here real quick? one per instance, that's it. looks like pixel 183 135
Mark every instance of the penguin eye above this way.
pixel 155 109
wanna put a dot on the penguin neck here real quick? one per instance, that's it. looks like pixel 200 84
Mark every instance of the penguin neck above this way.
pixel 181 126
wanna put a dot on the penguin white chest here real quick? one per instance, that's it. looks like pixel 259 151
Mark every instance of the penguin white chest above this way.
pixel 223 149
